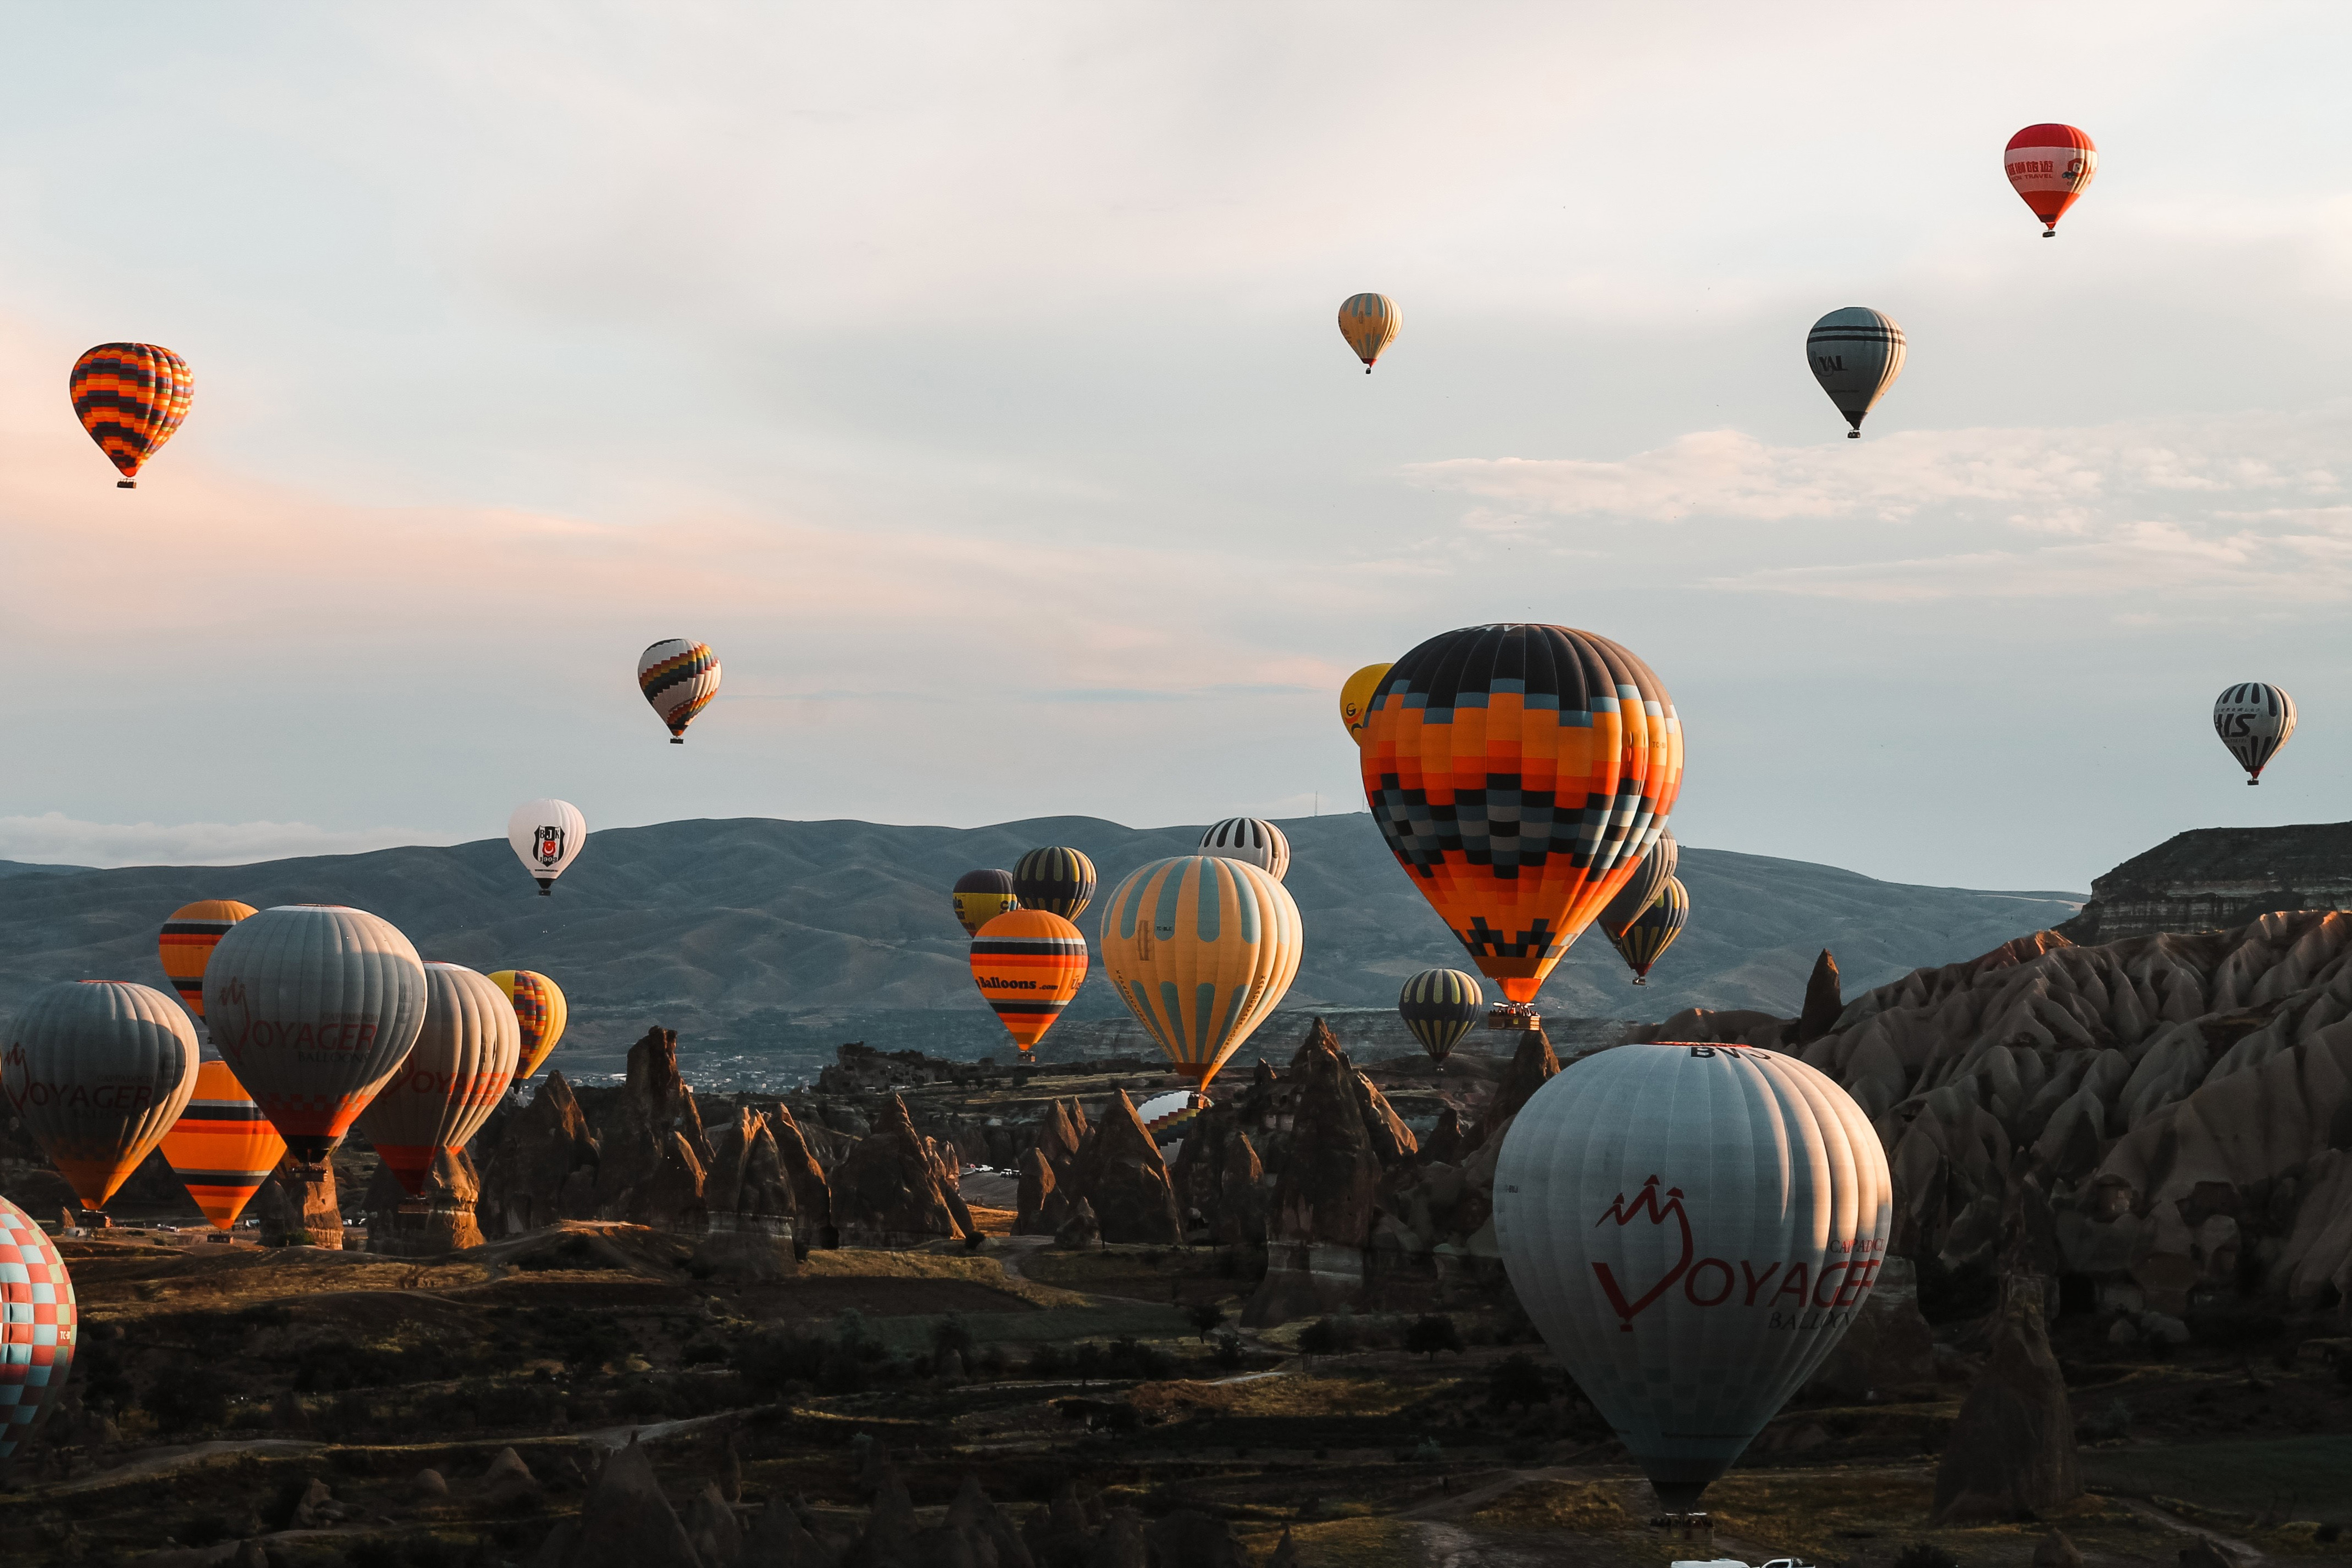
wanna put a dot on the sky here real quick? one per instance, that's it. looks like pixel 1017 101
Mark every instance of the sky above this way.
pixel 968 376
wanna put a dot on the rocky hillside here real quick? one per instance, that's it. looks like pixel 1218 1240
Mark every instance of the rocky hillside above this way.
pixel 2215 877
pixel 764 943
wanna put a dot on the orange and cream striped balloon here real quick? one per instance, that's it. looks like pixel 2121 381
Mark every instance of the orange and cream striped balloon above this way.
pixel 221 1148
pixel 540 1013
pixel 187 941
pixel 1028 963
pixel 1202 950
pixel 461 1067
pixel 131 397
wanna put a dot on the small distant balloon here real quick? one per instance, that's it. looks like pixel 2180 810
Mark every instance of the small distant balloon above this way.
pixel 186 942
pixel 2254 720
pixel 1058 879
pixel 1356 698
pixel 131 397
pixel 980 895
pixel 1369 324
pixel 1649 879
pixel 1438 1005
pixel 2050 166
pixel 1028 963
pixel 679 679
pixel 1252 839
pixel 547 836
pixel 1653 931
pixel 540 1013
pixel 1855 354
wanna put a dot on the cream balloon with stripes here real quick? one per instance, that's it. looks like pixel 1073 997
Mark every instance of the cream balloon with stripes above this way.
pixel 1855 353
pixel 1369 324
pixel 2254 719
pixel 1202 950
pixel 1252 839
pixel 99 1070
pixel 464 1060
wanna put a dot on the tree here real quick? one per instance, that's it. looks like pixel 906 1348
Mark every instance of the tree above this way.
pixel 1432 1332
pixel 1205 1319
pixel 1516 1380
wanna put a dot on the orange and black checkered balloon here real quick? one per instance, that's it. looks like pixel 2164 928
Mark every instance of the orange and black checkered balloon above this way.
pixel 131 397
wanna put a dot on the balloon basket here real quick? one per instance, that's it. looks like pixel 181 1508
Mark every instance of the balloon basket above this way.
pixel 1691 1535
pixel 92 1219
pixel 1515 1015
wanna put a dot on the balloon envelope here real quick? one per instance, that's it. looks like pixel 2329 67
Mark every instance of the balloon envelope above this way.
pixel 99 1070
pixel 1167 1117
pixel 1438 1005
pixel 1369 324
pixel 2050 166
pixel 186 944
pixel 540 1013
pixel 1028 963
pixel 1250 839
pixel 1519 773
pixel 980 895
pixel 1642 889
pixel 2253 720
pixel 1356 698
pixel 1059 880
pixel 446 1087
pixel 1693 1228
pixel 1202 950
pixel 547 836
pixel 679 679
pixel 313 1006
pixel 39 1325
pixel 221 1148
pixel 1653 931
pixel 1855 353
pixel 131 397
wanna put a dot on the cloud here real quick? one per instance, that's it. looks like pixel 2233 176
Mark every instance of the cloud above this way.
pixel 56 839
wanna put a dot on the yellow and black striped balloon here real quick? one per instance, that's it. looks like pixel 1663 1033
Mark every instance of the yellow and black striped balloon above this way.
pixel 1438 1005
pixel 1654 930
pixel 131 397
pixel 980 895
pixel 1058 881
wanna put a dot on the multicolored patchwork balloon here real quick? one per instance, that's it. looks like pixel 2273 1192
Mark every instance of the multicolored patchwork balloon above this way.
pixel 464 1060
pixel 540 1013
pixel 187 941
pixel 131 397
pixel 39 1323
pixel 679 679
pixel 1058 881
pixel 1028 963
pixel 221 1148
pixel 99 1070
pixel 1520 772
pixel 1202 951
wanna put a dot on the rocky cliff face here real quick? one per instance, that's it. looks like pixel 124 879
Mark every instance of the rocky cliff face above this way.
pixel 2215 878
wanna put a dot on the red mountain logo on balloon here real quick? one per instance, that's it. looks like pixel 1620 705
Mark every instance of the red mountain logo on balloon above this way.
pixel 1644 1206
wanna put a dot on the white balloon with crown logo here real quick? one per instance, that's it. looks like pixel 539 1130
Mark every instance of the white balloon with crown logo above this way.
pixel 1693 1228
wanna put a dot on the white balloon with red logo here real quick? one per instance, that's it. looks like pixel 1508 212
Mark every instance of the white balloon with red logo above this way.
pixel 1693 1228
pixel 547 836
pixel 461 1067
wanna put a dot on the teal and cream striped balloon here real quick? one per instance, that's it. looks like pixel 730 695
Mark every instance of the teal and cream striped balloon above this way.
pixel 1654 930
pixel 1202 950
pixel 1438 1005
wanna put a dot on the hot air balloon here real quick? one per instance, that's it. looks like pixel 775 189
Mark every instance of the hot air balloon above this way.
pixel 314 1006
pixel 1520 774
pixel 980 895
pixel 2254 721
pixel 1638 894
pixel 1693 1228
pixel 1059 881
pixel 2049 167
pixel 1202 950
pixel 1356 698
pixel 1856 353
pixel 1252 839
pixel 187 941
pixel 1438 1005
pixel 547 836
pixel 99 1070
pixel 1028 963
pixel 1369 324
pixel 679 679
pixel 464 1060
pixel 1653 931
pixel 39 1326
pixel 540 1013
pixel 131 397
pixel 1167 1117
pixel 221 1148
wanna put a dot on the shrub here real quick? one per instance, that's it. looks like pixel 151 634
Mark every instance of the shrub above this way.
pixel 1088 1363
pixel 1205 1319
pixel 1432 1332
pixel 951 1333
pixel 1049 1360
pixel 1516 1381
pixel 1924 1554
pixel 1327 1336
pixel 1128 1357
pixel 190 1397
pixel 1228 1352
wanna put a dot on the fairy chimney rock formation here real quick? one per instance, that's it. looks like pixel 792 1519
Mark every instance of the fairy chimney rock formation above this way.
pixel 543 1166
pixel 1823 1001
pixel 654 1163
pixel 1326 1194
pixel 1037 1200
pixel 894 1190
pixel 2011 1451
pixel 1120 1174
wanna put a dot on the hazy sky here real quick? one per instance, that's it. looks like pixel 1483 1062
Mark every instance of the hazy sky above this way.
pixel 967 375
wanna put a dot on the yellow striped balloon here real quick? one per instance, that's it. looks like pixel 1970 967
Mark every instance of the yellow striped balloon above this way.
pixel 1202 950
pixel 1654 930
pixel 1438 1005
pixel 1369 324
pixel 539 1011
pixel 1058 879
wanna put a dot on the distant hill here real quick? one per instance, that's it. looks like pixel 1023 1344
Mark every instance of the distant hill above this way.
pixel 764 943
pixel 2215 878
